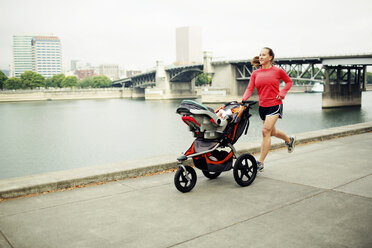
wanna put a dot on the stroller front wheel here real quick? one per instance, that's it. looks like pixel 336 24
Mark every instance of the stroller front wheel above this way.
pixel 245 170
pixel 185 180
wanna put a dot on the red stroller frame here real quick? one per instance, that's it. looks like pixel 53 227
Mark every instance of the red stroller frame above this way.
pixel 212 151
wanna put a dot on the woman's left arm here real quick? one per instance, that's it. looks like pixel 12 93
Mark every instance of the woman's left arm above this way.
pixel 288 83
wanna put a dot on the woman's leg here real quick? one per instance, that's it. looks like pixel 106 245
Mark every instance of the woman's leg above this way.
pixel 268 127
pixel 279 134
pixel 269 130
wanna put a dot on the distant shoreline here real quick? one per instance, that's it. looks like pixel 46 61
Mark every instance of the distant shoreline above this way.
pixel 88 94
pixel 62 94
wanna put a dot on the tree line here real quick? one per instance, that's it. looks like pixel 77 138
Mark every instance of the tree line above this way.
pixel 32 80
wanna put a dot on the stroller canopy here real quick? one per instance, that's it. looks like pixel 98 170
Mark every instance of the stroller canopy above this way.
pixel 187 105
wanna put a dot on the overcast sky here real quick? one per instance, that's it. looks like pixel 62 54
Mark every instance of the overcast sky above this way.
pixel 136 33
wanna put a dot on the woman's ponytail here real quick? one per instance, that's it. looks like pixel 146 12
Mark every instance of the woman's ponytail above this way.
pixel 256 62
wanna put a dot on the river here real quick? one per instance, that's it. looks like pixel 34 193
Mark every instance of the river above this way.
pixel 38 137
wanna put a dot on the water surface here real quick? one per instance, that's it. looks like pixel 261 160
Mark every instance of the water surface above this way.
pixel 37 137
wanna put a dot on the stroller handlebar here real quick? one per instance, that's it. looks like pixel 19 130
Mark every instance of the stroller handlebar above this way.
pixel 250 102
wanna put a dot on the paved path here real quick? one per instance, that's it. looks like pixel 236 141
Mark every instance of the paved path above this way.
pixel 318 196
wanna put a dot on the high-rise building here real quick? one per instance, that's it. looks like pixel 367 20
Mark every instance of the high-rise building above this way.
pixel 130 73
pixel 38 53
pixel 47 55
pixel 22 54
pixel 188 45
pixel 74 64
pixel 109 70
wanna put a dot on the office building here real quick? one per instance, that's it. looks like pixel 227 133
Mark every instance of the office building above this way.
pixel 22 55
pixel 109 70
pixel 47 55
pixel 74 65
pixel 38 53
pixel 188 46
pixel 131 73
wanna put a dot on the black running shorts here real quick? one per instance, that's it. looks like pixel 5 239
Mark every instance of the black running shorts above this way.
pixel 273 110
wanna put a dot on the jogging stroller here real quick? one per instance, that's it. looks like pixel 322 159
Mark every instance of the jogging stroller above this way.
pixel 212 151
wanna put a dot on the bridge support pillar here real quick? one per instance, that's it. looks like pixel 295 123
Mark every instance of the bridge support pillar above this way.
pixel 207 64
pixel 162 87
pixel 165 89
pixel 224 86
pixel 364 85
pixel 138 93
pixel 342 86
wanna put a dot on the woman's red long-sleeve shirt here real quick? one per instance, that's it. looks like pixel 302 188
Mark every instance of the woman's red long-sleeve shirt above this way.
pixel 267 83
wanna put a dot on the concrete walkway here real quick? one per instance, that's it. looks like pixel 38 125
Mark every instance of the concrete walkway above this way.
pixel 318 196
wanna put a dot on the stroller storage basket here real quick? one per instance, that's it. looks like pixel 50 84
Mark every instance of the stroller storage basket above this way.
pixel 215 160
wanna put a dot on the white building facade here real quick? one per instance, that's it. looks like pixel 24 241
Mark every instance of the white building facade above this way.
pixel 38 53
pixel 189 45
pixel 22 55
pixel 47 55
pixel 109 70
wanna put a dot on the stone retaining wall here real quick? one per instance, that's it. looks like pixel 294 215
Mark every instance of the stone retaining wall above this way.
pixel 63 94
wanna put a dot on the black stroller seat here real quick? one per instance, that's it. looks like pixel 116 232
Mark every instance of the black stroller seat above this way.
pixel 202 120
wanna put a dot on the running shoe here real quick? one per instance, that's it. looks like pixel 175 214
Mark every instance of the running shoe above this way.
pixel 291 144
pixel 260 166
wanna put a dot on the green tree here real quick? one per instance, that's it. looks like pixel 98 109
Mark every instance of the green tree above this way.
pixel 48 82
pixel 3 78
pixel 69 81
pixel 203 79
pixel 26 78
pixel 86 82
pixel 13 83
pixel 32 80
pixel 369 77
pixel 55 81
pixel 101 82
pixel 37 81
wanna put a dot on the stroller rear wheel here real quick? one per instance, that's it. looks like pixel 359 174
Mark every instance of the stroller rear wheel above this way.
pixel 211 174
pixel 185 180
pixel 245 170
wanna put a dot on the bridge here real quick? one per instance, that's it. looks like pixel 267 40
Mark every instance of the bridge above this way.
pixel 163 83
pixel 344 78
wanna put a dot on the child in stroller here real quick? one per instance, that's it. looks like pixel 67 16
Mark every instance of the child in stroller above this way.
pixel 212 151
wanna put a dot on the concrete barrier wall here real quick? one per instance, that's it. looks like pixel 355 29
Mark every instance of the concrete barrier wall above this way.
pixel 64 94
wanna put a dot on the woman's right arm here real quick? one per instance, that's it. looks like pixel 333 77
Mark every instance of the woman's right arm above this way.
pixel 248 92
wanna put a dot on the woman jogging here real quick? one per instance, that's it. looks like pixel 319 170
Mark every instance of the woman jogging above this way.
pixel 266 80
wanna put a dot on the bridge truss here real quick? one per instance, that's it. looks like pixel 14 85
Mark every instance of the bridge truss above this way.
pixel 184 74
pixel 300 71
pixel 176 74
pixel 310 70
pixel 143 80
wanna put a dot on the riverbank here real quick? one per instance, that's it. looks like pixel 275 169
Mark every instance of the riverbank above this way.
pixel 15 187
pixel 63 94
pixel 108 93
